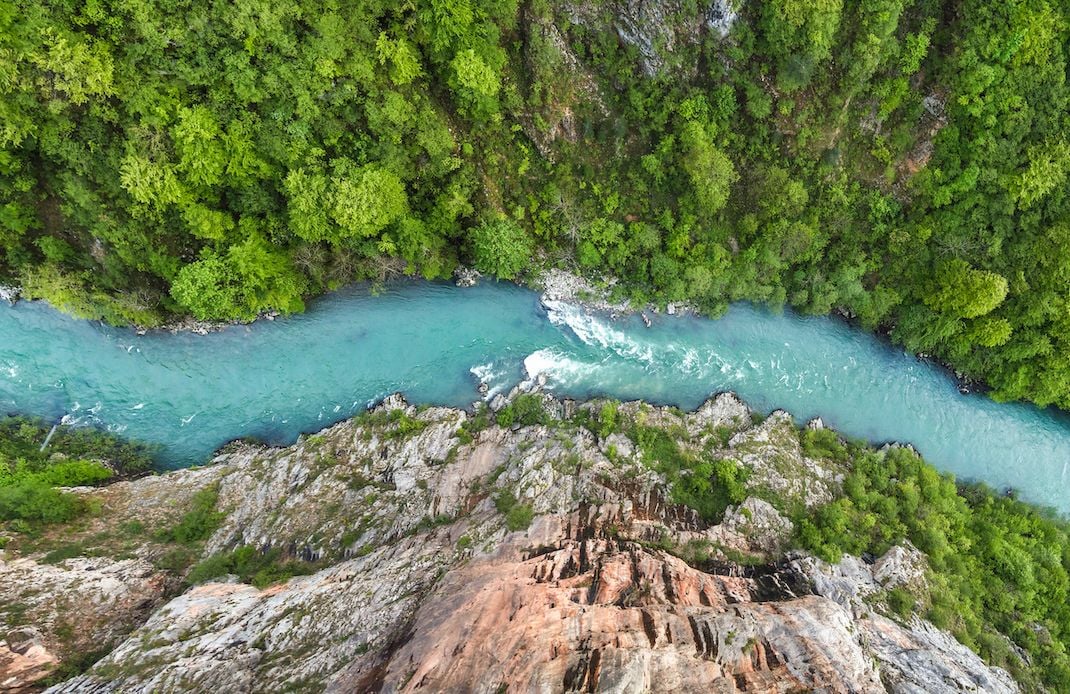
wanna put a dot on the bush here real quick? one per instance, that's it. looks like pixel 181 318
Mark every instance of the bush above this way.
pixel 525 410
pixel 707 485
pixel 261 569
pixel 501 248
pixel 81 448
pixel 35 501
pixel 823 443
pixel 607 418
pixel 199 522
pixel 518 516
pixel 901 602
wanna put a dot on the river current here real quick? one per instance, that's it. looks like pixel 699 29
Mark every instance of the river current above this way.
pixel 434 342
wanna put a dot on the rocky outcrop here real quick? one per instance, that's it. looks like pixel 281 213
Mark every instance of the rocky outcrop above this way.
pixel 656 28
pixel 466 276
pixel 916 656
pixel 601 615
pixel 772 454
pixel 457 555
pixel 721 16
pixel 24 659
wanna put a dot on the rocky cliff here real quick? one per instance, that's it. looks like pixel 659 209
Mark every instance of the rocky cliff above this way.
pixel 444 552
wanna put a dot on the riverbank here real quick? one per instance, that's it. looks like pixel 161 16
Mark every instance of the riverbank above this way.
pixel 553 284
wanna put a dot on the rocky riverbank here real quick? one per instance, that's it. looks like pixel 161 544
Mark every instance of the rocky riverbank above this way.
pixel 559 285
pixel 538 550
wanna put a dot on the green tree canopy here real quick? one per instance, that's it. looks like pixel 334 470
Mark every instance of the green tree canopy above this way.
pixel 500 247
pixel 965 292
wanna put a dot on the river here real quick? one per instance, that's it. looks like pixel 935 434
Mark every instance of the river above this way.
pixel 434 342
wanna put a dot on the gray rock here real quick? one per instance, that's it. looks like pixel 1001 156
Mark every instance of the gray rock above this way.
pixel 772 453
pixel 902 565
pixel 765 530
pixel 721 16
pixel 934 105
pixel 22 639
pixel 466 276
pixel 10 294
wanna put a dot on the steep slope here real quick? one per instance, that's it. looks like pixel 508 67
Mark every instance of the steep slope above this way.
pixel 450 553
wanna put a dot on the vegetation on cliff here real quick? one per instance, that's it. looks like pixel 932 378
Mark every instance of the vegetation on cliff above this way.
pixel 903 160
pixel 998 570
pixel 75 457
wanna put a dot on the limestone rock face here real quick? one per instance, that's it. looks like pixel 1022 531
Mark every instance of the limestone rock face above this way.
pixel 427 584
pixel 92 601
pixel 772 453
pixel 654 27
pixel 597 615
pixel 915 657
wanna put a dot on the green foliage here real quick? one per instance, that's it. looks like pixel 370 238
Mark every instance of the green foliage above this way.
pixel 800 34
pixel 525 410
pixel 476 82
pixel 250 278
pixel 710 171
pixel 475 423
pixel 29 476
pixel 518 516
pixel 197 524
pixel 901 602
pixel 35 501
pixel 261 569
pixel 501 248
pixel 367 201
pixel 964 292
pixel 607 418
pixel 21 439
pixel 823 443
pixel 392 424
pixel 404 425
pixel 708 485
pixel 997 565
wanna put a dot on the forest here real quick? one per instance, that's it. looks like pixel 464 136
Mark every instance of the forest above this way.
pixel 902 162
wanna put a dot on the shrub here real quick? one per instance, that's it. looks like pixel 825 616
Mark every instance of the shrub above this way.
pixel 261 569
pixel 518 516
pixel 36 501
pixel 525 410
pixel 199 522
pixel 823 443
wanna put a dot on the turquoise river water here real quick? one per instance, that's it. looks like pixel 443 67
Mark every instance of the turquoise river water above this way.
pixel 435 342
